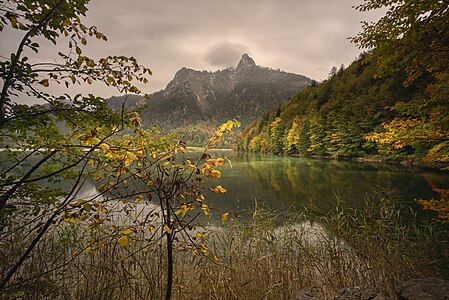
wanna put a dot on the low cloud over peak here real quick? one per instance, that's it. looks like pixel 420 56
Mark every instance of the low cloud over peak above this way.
pixel 225 54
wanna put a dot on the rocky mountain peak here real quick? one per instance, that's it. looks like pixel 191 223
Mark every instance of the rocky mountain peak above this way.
pixel 245 62
pixel 184 73
pixel 243 93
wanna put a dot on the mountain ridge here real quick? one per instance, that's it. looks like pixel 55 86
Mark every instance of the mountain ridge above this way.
pixel 241 93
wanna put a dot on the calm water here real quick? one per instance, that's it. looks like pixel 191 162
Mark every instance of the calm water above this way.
pixel 281 182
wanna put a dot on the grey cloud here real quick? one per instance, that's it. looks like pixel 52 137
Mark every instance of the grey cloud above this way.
pixel 225 54
pixel 302 36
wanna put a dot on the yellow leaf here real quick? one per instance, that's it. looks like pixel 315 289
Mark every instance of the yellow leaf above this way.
pixel 219 189
pixel 131 156
pixel 123 241
pixel 224 217
pixel 87 207
pixel 104 147
pixel 102 209
pixel 127 231
pixel 220 161
pixel 205 209
pixel 138 199
pixel 109 154
pixel 14 22
pixel 183 210
pixel 103 187
pixel 214 174
pixel 151 183
pixel 166 157
pixel 167 229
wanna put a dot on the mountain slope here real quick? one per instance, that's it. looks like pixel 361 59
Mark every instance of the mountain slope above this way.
pixel 242 93
pixel 334 117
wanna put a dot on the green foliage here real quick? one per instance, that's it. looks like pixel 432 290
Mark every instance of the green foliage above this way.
pixel 412 37
pixel 52 20
pixel 392 101
pixel 332 117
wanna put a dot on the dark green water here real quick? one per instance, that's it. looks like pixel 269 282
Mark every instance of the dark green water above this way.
pixel 281 182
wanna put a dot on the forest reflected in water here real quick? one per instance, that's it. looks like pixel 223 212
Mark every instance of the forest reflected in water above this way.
pixel 283 182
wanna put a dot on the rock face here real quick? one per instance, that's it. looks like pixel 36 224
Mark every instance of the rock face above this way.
pixel 243 93
pixel 424 289
pixel 245 63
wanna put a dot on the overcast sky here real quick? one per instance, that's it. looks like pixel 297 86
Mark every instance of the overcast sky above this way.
pixel 301 36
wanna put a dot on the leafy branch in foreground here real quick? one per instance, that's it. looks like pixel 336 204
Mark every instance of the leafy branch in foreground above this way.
pixel 52 20
pixel 142 167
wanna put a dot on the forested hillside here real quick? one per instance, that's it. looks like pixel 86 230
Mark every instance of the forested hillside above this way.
pixel 393 101
pixel 333 117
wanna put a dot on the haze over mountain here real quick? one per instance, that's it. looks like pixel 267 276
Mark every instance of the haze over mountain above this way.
pixel 243 93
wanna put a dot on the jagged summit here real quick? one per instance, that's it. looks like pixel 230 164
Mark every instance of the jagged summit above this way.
pixel 243 93
pixel 245 62
pixel 183 73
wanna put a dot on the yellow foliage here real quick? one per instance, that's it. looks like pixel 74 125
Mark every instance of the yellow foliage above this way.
pixel 219 189
pixel 224 217
pixel 103 146
pixel 167 229
pixel 213 174
pixel 210 163
pixel 205 209
pixel 123 241
pixel 128 230
pixel 183 210
pixel 440 206
pixel 130 158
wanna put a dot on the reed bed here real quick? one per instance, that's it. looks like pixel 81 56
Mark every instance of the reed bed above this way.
pixel 375 247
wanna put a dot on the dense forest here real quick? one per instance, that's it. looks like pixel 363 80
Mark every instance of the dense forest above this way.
pixel 338 117
pixel 391 102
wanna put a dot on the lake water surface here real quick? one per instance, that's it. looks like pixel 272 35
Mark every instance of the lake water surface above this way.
pixel 282 181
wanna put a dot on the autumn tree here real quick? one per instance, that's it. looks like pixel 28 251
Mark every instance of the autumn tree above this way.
pixel 67 137
pixel 412 36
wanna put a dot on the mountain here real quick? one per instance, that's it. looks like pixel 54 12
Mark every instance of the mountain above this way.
pixel 243 93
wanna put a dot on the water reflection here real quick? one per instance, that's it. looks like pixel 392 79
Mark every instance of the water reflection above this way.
pixel 282 182
pixel 285 181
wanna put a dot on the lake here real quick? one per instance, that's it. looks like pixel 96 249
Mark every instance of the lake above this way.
pixel 282 181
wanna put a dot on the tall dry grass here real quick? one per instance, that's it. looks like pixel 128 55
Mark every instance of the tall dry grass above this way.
pixel 376 247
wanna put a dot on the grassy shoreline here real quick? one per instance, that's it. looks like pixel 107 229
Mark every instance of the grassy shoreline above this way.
pixel 375 247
